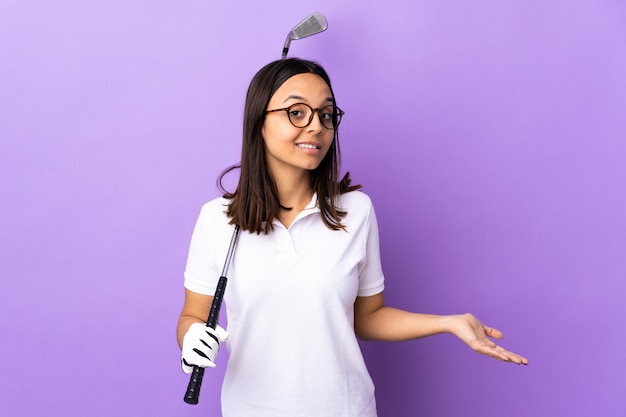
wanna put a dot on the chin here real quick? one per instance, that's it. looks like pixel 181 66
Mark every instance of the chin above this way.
pixel 312 167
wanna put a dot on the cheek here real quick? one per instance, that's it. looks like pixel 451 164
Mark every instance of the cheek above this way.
pixel 278 132
pixel 330 139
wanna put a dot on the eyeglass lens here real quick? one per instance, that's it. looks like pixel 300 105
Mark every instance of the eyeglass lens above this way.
pixel 301 115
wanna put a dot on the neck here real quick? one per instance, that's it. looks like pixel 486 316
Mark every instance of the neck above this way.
pixel 294 191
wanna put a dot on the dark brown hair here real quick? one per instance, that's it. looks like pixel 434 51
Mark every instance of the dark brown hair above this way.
pixel 255 203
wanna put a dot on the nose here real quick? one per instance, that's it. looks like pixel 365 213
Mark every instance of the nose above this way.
pixel 316 123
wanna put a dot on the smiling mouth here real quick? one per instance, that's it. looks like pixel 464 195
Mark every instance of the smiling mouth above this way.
pixel 307 146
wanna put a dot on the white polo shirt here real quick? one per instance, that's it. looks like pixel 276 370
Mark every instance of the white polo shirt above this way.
pixel 290 308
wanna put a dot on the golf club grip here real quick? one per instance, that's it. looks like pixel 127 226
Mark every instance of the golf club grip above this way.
pixel 217 302
pixel 195 381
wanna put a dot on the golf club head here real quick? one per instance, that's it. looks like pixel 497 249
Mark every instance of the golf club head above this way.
pixel 313 24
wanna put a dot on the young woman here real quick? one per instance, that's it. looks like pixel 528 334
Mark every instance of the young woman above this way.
pixel 306 279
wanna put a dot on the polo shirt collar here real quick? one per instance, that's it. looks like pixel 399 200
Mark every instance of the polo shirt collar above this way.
pixel 310 208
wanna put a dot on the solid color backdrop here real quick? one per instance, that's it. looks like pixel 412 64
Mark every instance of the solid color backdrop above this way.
pixel 490 136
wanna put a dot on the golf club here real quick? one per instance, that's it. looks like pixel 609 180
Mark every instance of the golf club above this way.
pixel 313 24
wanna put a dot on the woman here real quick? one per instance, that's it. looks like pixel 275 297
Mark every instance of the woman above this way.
pixel 306 279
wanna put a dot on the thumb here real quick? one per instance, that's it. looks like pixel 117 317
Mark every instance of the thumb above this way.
pixel 491 332
pixel 222 334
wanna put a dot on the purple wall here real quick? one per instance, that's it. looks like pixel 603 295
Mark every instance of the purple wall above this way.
pixel 490 135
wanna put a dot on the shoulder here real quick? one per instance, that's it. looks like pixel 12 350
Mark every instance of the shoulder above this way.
pixel 214 212
pixel 355 200
pixel 215 206
pixel 358 208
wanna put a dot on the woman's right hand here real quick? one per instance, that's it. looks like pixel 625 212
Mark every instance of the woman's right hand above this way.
pixel 200 346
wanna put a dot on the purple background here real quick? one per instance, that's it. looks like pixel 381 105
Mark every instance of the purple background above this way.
pixel 490 135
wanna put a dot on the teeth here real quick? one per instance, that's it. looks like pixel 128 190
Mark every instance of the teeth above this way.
pixel 306 145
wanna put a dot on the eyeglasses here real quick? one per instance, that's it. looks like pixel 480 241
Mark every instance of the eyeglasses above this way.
pixel 301 115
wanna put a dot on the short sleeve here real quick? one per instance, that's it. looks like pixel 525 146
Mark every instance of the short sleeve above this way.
pixel 371 277
pixel 201 271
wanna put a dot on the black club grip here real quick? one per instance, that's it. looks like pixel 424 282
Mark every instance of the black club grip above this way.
pixel 195 381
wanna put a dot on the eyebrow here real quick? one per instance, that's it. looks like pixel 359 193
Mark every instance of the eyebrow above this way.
pixel 297 97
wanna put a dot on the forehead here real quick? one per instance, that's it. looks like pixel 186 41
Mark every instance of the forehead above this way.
pixel 307 87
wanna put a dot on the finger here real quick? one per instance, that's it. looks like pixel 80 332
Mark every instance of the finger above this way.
pixel 518 359
pixel 207 364
pixel 494 351
pixel 204 363
pixel 514 357
pixel 494 333
pixel 210 345
pixel 208 351
pixel 201 360
pixel 186 367
pixel 209 332
pixel 222 334
pixel 489 348
pixel 508 356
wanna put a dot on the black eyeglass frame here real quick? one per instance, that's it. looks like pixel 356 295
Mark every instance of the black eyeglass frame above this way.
pixel 337 116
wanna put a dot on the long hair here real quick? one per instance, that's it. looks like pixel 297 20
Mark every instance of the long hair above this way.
pixel 255 202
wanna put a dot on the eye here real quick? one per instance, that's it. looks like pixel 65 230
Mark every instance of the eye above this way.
pixel 327 113
pixel 295 113
pixel 298 112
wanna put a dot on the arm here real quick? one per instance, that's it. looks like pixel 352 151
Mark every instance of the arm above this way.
pixel 195 310
pixel 375 321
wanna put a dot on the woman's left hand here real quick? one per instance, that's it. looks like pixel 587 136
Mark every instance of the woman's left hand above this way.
pixel 477 336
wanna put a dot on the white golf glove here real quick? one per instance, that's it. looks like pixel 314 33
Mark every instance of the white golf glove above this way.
pixel 200 346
